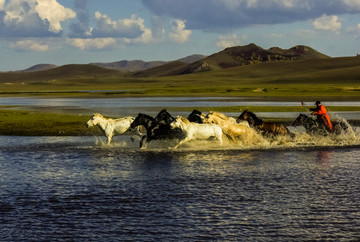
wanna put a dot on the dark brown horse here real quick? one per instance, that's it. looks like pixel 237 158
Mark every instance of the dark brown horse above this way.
pixel 314 126
pixel 264 127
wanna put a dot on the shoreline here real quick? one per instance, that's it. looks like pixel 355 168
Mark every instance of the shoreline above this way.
pixel 50 123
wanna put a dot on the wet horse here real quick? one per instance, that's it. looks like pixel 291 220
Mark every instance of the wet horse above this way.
pixel 110 127
pixel 196 116
pixel 157 128
pixel 313 126
pixel 195 131
pixel 228 125
pixel 264 127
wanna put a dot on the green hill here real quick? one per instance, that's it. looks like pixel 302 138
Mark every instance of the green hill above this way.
pixel 238 71
pixel 243 55
pixel 63 72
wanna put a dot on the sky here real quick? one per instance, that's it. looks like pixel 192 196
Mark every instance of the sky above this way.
pixel 85 31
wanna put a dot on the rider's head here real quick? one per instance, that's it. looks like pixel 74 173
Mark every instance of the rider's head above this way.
pixel 317 103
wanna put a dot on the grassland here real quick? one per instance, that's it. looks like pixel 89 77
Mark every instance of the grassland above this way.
pixel 325 79
pixel 328 79
pixel 24 123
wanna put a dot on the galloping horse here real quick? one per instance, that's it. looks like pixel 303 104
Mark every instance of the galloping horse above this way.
pixel 156 129
pixel 264 127
pixel 110 127
pixel 228 125
pixel 196 116
pixel 312 126
pixel 196 131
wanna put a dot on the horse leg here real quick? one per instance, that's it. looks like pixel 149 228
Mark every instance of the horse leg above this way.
pixel 109 137
pixel 219 137
pixel 182 142
pixel 292 135
pixel 143 142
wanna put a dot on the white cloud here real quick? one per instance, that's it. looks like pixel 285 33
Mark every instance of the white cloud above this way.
pixel 92 44
pixel 33 18
pixel 52 11
pixel 353 4
pixel 325 22
pixel 2 5
pixel 228 41
pixel 132 27
pixel 179 33
pixel 30 45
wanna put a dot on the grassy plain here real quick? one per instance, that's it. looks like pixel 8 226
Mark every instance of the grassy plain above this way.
pixel 325 79
pixel 333 79
pixel 23 123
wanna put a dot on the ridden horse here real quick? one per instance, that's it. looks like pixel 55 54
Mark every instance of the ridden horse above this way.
pixel 313 126
pixel 264 127
pixel 228 125
pixel 195 131
pixel 196 116
pixel 156 128
pixel 110 127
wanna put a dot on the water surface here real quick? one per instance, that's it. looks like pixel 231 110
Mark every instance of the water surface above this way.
pixel 77 188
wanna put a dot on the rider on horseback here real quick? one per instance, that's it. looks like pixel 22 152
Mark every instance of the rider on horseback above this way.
pixel 322 116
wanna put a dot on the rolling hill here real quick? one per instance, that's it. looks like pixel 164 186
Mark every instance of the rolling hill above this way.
pixel 72 71
pixel 235 66
pixel 240 56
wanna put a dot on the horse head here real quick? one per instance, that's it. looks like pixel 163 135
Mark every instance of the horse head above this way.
pixel 209 118
pixel 300 120
pixel 164 117
pixel 142 119
pixel 196 116
pixel 94 120
pixel 247 116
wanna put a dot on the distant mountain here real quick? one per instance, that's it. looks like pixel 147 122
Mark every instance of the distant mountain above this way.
pixel 245 55
pixel 72 71
pixel 139 65
pixel 253 54
pixel 134 65
pixel 39 67
pixel 192 58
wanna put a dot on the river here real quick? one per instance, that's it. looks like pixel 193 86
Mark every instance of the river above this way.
pixel 259 189
pixel 77 188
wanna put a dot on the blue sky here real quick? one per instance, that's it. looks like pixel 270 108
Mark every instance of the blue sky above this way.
pixel 84 31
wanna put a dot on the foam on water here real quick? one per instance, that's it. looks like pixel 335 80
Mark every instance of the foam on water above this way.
pixel 251 140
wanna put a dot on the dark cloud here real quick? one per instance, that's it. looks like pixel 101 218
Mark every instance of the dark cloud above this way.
pixel 214 15
pixel 80 27
pixel 33 27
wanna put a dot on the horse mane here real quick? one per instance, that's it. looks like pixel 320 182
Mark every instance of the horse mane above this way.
pixel 146 116
pixel 98 114
pixel 219 115
pixel 184 120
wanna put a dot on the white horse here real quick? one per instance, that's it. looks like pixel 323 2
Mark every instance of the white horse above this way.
pixel 110 127
pixel 196 131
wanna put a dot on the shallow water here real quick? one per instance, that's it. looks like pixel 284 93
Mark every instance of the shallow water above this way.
pixel 77 188
pixel 152 105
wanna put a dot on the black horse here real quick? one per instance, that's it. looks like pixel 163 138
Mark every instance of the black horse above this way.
pixel 157 128
pixel 164 117
pixel 196 116
pixel 314 126
pixel 264 127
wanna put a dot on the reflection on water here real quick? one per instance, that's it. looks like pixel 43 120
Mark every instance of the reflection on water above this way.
pixel 152 105
pixel 72 188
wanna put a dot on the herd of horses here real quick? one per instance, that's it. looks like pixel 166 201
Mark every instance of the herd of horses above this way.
pixel 200 126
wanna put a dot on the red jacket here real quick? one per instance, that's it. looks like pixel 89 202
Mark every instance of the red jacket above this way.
pixel 322 112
